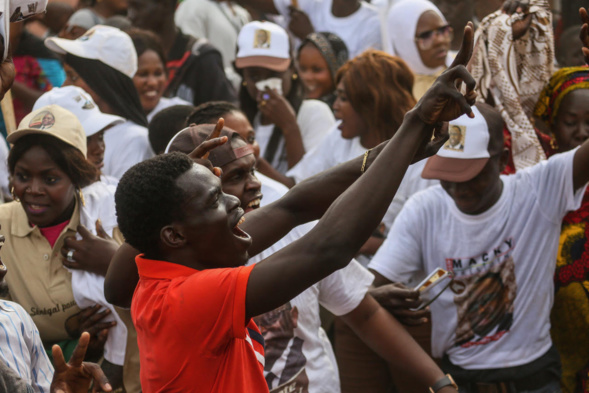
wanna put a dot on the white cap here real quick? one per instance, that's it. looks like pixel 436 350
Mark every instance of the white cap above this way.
pixel 81 104
pixel 465 154
pixel 107 44
pixel 263 44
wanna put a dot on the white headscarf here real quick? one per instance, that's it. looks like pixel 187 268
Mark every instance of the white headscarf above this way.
pixel 401 25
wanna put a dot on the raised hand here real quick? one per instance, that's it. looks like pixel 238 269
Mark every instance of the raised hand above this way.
pixel 76 375
pixel 276 108
pixel 203 150
pixel 512 6
pixel 201 153
pixel 444 100
pixel 584 35
pixel 299 24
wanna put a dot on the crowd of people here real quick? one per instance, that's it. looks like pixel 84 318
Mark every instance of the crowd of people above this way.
pixel 315 196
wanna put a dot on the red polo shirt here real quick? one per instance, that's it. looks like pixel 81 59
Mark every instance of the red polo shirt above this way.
pixel 191 330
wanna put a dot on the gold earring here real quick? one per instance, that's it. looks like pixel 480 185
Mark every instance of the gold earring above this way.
pixel 553 144
pixel 81 195
pixel 14 197
pixel 244 83
pixel 294 77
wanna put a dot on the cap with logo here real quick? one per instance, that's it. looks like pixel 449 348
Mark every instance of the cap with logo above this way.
pixel 81 104
pixel 468 150
pixel 104 43
pixel 263 44
pixel 189 138
pixel 55 121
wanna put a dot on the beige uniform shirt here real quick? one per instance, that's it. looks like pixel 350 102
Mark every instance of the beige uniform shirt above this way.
pixel 36 277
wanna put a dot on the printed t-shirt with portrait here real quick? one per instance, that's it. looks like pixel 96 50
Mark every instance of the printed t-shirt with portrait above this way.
pixel 359 31
pixel 299 356
pixel 496 313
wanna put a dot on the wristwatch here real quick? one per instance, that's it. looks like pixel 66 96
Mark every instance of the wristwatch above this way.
pixel 442 383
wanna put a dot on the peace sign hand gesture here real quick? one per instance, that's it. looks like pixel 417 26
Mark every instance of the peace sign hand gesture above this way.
pixel 76 375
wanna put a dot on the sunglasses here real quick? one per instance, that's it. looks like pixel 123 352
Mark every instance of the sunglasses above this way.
pixel 426 39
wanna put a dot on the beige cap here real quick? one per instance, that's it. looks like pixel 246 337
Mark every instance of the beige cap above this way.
pixel 55 121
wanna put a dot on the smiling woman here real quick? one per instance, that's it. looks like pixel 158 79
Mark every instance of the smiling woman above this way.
pixel 51 225
pixel 151 77
pixel 320 56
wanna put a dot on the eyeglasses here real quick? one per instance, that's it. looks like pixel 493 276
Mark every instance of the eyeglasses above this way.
pixel 426 39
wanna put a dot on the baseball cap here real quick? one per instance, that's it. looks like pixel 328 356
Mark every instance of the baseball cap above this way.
pixel 81 104
pixel 189 138
pixel 105 43
pixel 469 148
pixel 263 44
pixel 55 121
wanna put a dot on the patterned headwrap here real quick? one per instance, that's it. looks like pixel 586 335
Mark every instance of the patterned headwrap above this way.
pixel 562 83
pixel 332 48
pixel 513 72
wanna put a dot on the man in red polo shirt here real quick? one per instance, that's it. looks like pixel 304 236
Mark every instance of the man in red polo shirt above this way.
pixel 195 298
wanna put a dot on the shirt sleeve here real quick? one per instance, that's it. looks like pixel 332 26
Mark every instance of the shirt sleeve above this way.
pixel 11 382
pixel 315 120
pixel 552 182
pixel 189 18
pixel 400 256
pixel 41 368
pixel 342 291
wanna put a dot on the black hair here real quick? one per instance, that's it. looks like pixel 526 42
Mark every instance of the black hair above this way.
pixel 210 112
pixel 145 40
pixel 165 124
pixel 147 199
pixel 114 87
pixel 69 159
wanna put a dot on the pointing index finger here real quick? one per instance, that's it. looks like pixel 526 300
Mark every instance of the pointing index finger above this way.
pixel 215 134
pixel 466 48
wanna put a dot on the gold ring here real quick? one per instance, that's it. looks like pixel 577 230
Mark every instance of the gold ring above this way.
pixel 263 103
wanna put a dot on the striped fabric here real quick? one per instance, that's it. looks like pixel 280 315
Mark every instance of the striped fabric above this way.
pixel 21 348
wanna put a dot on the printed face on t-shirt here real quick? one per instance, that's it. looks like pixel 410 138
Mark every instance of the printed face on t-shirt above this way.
pixel 485 304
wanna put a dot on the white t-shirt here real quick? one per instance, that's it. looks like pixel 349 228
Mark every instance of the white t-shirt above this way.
pixel 334 150
pixel 307 363
pixel 271 189
pixel 359 31
pixel 497 312
pixel 4 174
pixel 312 363
pixel 126 145
pixel 314 120
pixel 87 287
pixel 217 21
pixel 166 103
